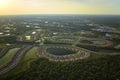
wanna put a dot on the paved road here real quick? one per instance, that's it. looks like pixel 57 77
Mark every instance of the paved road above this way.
pixel 15 60
pixel 33 36
pixel 66 58
pixel 3 51
pixel 42 53
pixel 76 42
pixel 63 58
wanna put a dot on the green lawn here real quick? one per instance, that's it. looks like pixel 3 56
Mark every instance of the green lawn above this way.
pixel 29 57
pixel 6 58
pixel 31 54
pixel 2 45
pixel 24 64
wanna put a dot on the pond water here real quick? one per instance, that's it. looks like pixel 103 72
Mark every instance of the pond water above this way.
pixel 57 51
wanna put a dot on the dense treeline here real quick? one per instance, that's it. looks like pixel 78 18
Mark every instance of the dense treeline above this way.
pixel 98 48
pixel 53 42
pixel 8 39
pixel 105 68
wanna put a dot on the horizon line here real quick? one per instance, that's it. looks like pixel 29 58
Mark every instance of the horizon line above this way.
pixel 53 14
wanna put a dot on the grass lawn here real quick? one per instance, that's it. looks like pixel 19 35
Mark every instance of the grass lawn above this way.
pixel 29 57
pixel 7 57
pixel 31 54
pixel 2 45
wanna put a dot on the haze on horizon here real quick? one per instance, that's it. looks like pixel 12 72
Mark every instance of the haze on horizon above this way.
pixel 11 7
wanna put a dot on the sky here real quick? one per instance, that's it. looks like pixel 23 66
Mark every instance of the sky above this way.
pixel 11 7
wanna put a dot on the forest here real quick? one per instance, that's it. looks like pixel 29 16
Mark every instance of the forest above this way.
pixel 102 68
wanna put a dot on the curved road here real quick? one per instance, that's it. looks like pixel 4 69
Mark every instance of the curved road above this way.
pixel 15 60
pixel 42 53
pixel 63 58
